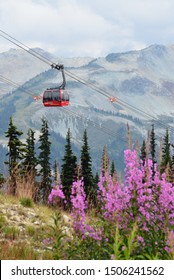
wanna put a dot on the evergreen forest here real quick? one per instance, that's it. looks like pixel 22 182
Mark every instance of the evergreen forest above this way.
pixel 106 215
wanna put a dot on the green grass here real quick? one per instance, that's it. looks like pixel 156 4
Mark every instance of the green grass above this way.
pixel 27 202
pixel 2 221
pixel 11 232
pixel 17 251
pixel 39 232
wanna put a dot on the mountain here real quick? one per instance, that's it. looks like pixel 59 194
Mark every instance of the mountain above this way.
pixel 141 81
pixel 20 66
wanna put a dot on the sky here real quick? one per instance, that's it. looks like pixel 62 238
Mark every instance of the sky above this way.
pixel 95 28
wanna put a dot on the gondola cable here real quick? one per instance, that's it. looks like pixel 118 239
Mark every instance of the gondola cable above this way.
pixel 75 77
pixel 95 124
pixel 70 112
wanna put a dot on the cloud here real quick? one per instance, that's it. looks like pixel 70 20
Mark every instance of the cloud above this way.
pixel 90 28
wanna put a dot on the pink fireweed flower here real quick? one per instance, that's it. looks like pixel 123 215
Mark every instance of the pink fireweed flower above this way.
pixel 140 239
pixel 141 198
pixel 79 206
pixel 110 194
pixel 56 194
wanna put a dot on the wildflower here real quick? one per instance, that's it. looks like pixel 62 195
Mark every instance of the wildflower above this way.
pixel 141 198
pixel 47 241
pixel 79 205
pixel 56 194
pixel 140 239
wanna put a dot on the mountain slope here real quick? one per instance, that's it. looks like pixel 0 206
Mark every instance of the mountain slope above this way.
pixel 142 82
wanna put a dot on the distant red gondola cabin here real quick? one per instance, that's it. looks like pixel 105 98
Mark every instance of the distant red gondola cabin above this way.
pixel 55 97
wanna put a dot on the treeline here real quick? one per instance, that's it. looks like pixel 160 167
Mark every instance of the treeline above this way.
pixel 39 175
pixel 24 166
pixel 118 114
pixel 164 156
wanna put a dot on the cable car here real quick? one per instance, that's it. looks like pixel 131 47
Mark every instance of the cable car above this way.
pixel 58 96
pixel 55 97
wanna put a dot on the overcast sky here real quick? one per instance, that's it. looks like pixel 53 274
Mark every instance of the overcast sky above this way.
pixel 94 28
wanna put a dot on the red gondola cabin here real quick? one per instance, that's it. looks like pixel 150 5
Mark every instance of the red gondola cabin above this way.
pixel 58 96
pixel 55 97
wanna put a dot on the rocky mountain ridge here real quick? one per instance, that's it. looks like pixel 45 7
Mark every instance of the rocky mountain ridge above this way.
pixel 141 81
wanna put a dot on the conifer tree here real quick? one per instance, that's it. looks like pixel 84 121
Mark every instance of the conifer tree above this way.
pixel 112 168
pixel 143 154
pixel 172 163
pixel 86 166
pixel 96 178
pixel 30 160
pixel 56 172
pixel 166 158
pixel 15 153
pixel 113 172
pixel 44 161
pixel 2 180
pixel 105 161
pixel 68 168
pixel 153 150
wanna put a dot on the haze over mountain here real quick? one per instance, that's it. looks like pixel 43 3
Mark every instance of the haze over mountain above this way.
pixel 142 80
